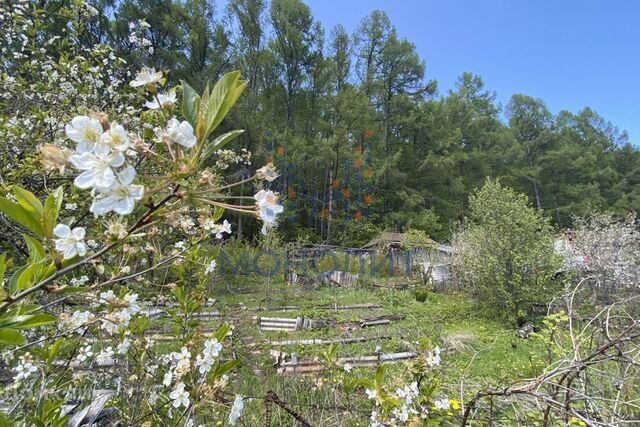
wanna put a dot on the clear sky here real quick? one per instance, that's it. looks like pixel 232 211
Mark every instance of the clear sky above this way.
pixel 570 53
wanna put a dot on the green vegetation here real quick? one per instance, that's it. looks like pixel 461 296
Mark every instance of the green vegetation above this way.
pixel 506 252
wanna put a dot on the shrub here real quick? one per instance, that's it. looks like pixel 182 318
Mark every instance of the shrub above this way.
pixel 505 252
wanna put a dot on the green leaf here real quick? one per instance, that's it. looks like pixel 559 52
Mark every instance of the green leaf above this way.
pixel 21 215
pixel 51 211
pixel 380 376
pixel 217 214
pixel 28 201
pixel 4 421
pixel 32 274
pixel 219 142
pixel 190 103
pixel 225 367
pixel 223 96
pixel 35 248
pixel 34 320
pixel 11 337
pixel 3 266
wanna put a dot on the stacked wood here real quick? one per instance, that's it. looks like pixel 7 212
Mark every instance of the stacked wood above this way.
pixel 311 366
pixel 285 308
pixel 393 286
pixel 350 307
pixel 381 320
pixel 326 342
pixel 287 324
pixel 158 313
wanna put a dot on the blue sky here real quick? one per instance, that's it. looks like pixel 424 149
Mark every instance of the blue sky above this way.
pixel 570 53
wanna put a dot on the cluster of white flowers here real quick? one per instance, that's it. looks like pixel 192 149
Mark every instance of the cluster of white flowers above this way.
pixel 408 408
pixel 25 368
pixel 77 321
pixel 225 158
pixel 211 351
pixel 210 226
pixel 236 409
pixel 79 281
pixel 267 173
pixel 137 35
pixel 406 395
pixel 117 320
pixel 84 353
pixel 105 357
pixel 100 156
pixel 268 208
pixel 181 362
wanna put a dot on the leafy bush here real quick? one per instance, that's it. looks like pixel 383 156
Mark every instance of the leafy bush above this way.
pixel 505 252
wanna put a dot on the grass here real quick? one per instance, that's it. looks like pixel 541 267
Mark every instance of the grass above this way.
pixel 489 352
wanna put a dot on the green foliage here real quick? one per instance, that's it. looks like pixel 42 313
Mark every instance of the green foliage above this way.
pixel 505 253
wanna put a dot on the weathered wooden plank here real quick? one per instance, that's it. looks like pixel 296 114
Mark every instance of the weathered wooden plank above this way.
pixel 304 367
pixel 326 341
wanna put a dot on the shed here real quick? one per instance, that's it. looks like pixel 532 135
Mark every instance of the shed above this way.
pixel 432 260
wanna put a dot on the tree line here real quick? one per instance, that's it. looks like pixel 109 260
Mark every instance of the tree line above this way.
pixel 363 138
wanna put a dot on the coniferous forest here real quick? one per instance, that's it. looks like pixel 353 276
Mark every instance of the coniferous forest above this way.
pixel 357 126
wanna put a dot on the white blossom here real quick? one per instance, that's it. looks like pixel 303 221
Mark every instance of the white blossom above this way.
pixel 77 320
pixel 236 409
pixel 85 132
pixel 267 172
pixel 212 348
pixel 181 133
pixel 69 243
pixel 123 347
pixel 97 167
pixel 84 353
pixel 166 99
pixel 120 197
pixel 168 377
pixel 211 267
pixel 115 138
pixel 179 396
pixel 433 357
pixel 24 369
pixel 204 363
pixel 442 404
pixel 105 357
pixel 268 209
pixel 145 77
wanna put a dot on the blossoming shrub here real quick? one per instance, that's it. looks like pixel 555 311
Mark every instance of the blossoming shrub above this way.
pixel 121 239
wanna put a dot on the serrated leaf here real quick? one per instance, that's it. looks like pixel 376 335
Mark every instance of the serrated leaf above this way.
pixel 190 103
pixel 35 248
pixel 28 201
pixel 223 96
pixel 21 215
pixel 51 211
